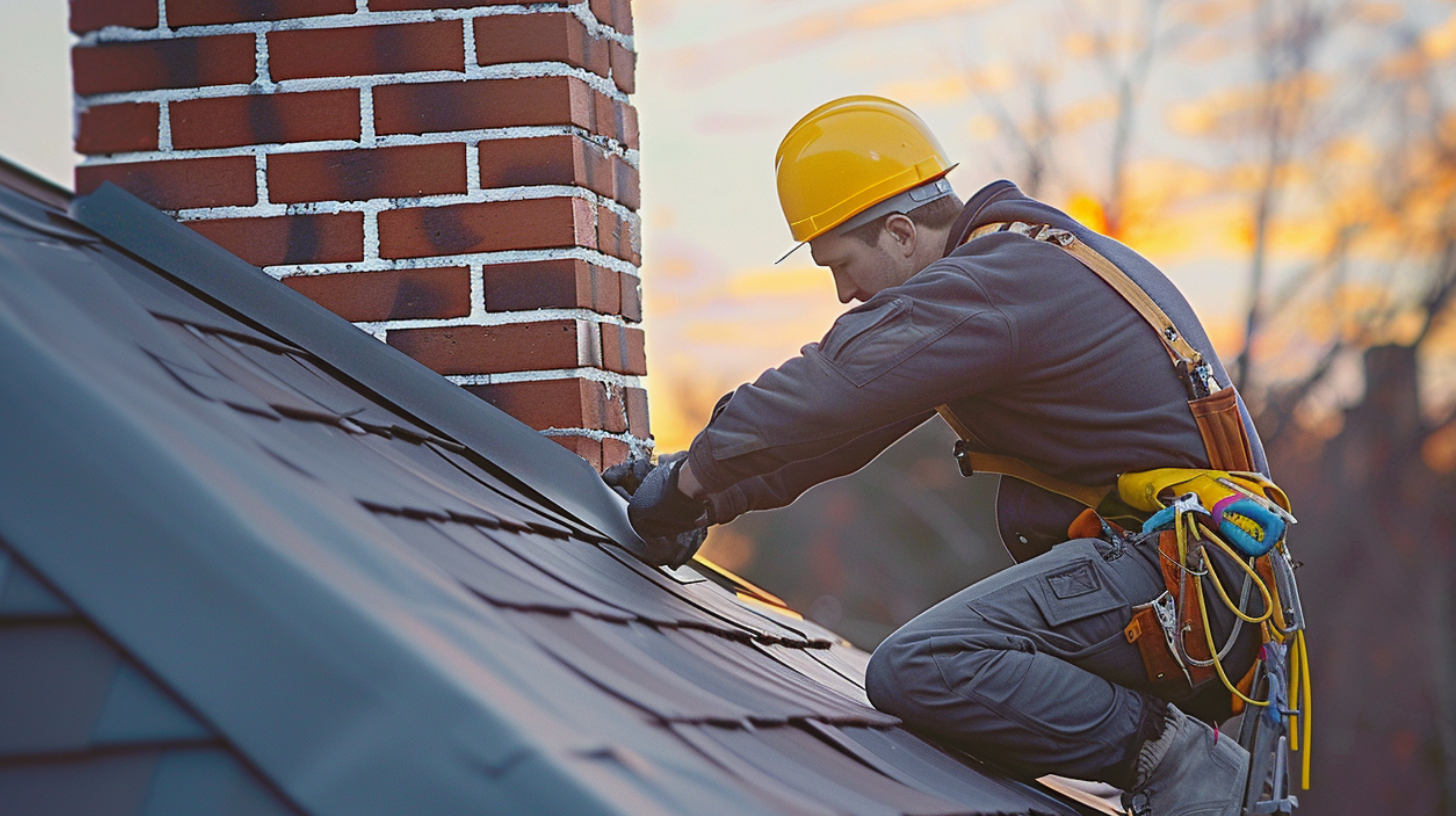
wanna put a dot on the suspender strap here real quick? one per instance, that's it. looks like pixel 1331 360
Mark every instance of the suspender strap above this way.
pixel 1186 359
pixel 1178 348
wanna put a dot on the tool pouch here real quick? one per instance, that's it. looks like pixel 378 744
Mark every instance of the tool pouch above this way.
pixel 1222 428
pixel 1165 669
pixel 1164 672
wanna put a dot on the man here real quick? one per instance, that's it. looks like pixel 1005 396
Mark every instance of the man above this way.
pixel 1035 357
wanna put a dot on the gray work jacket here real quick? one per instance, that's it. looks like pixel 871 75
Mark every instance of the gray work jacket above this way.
pixel 1036 354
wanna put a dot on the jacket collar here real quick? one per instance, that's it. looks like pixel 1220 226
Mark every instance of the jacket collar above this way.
pixel 972 214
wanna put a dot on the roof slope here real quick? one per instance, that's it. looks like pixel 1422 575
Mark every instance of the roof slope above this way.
pixel 253 561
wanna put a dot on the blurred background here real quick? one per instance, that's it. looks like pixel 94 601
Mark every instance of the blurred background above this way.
pixel 1291 164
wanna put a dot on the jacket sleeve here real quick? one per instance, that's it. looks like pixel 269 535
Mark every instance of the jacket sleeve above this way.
pixel 781 487
pixel 892 359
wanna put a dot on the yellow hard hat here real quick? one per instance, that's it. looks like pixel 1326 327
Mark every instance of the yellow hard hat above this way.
pixel 847 155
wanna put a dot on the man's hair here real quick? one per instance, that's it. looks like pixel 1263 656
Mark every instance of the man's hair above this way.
pixel 938 214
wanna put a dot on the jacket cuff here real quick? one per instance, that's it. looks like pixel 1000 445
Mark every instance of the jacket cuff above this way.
pixel 706 469
pixel 728 505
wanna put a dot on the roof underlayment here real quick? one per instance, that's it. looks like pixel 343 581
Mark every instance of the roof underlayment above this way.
pixel 254 561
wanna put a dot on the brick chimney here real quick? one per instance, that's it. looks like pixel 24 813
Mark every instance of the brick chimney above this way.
pixel 459 180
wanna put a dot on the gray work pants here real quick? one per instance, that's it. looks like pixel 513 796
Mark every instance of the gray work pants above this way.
pixel 1029 668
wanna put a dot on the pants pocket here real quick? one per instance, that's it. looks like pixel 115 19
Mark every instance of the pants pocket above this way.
pixel 1081 606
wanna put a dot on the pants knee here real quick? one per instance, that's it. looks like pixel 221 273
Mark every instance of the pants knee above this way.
pixel 895 672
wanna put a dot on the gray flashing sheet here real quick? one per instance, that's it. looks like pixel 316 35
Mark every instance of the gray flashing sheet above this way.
pixel 23 595
pixel 558 476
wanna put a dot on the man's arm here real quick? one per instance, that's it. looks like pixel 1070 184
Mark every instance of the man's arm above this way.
pixel 934 340
pixel 781 487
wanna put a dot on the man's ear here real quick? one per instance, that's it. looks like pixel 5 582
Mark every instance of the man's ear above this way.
pixel 902 234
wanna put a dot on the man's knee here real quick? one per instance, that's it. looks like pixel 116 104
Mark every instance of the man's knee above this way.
pixel 901 674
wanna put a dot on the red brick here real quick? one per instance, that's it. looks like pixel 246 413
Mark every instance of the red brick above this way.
pixel 627 122
pixel 186 62
pixel 118 128
pixel 624 67
pixel 358 175
pixel 549 344
pixel 632 298
pixel 490 226
pixel 614 119
pixel 617 237
pixel 614 452
pixel 396 294
pixel 366 50
pixel 588 449
pixel 540 37
pixel 638 423
pixel 289 239
pixel 232 121
pixel 558 284
pixel 430 5
pixel 622 16
pixel 568 160
pixel 179 183
pixel 623 349
pixel 214 12
pixel 602 10
pixel 627 184
pixel 614 13
pixel 432 107
pixel 566 403
pixel 90 15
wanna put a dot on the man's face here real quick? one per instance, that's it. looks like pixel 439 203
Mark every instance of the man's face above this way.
pixel 861 270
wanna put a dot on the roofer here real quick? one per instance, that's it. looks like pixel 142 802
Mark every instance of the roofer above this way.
pixel 1031 335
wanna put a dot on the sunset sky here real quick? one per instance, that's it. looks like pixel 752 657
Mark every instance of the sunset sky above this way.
pixel 720 81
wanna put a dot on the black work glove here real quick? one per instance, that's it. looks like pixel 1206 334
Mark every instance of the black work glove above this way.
pixel 624 478
pixel 672 523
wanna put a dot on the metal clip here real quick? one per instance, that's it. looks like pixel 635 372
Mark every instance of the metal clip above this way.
pixel 1193 382
pixel 1189 503
pixel 963 459
pixel 1166 611
pixel 1287 588
pixel 1263 501
pixel 1060 237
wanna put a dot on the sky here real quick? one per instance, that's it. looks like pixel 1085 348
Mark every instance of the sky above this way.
pixel 720 82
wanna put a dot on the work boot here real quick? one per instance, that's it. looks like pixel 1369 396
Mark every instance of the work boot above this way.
pixel 1188 770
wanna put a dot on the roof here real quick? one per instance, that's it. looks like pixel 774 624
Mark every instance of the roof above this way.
pixel 254 561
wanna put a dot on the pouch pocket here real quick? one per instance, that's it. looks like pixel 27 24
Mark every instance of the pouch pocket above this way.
pixel 854 323
pixel 1221 425
pixel 1075 591
pixel 869 340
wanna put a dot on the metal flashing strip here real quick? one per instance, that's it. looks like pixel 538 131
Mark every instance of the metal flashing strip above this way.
pixel 551 473
pixel 30 184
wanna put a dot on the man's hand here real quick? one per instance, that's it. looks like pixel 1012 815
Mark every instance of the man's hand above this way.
pixel 673 524
pixel 624 478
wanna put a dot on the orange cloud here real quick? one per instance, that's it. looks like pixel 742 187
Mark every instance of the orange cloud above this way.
pixel 1439 43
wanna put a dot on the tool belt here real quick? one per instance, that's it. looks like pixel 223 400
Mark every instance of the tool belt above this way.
pixel 1230 508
